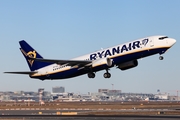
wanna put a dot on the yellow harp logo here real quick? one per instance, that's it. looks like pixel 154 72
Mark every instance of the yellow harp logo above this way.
pixel 31 54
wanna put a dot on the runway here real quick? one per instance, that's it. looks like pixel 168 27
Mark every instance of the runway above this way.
pixel 92 110
pixel 77 115
pixel 88 117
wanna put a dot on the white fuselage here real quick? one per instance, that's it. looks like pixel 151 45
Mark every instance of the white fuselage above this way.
pixel 118 54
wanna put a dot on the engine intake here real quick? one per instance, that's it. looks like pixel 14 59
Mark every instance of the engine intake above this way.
pixel 128 65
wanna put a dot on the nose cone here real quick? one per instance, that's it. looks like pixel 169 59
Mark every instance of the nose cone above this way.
pixel 171 41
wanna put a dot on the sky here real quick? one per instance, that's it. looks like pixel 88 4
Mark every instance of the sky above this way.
pixel 64 29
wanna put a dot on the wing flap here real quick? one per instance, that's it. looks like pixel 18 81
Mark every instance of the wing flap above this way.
pixel 23 72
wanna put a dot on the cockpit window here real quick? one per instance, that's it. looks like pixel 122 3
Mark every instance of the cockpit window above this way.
pixel 161 38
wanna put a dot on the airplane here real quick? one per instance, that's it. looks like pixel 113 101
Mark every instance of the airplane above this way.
pixel 123 56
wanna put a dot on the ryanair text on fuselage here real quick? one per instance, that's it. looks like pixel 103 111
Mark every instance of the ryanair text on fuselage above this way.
pixel 116 50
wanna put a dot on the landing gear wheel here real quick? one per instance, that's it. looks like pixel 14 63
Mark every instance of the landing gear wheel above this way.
pixel 161 57
pixel 107 75
pixel 91 75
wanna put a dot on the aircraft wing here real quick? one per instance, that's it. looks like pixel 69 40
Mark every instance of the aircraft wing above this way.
pixel 67 62
pixel 23 72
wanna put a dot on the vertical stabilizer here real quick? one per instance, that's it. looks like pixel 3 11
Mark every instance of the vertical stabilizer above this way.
pixel 28 51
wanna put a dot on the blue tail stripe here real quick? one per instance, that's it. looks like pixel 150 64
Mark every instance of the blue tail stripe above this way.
pixel 27 50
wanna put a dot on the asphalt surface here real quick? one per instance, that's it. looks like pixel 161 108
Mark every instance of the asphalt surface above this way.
pixel 87 117
pixel 52 115
pixel 54 112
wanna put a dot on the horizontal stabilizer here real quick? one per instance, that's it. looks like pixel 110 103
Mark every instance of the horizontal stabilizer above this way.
pixel 24 72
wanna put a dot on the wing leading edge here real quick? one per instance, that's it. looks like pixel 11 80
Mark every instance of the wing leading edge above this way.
pixel 23 72
pixel 67 62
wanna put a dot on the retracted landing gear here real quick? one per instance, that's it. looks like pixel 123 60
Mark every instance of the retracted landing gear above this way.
pixel 91 75
pixel 107 74
pixel 161 57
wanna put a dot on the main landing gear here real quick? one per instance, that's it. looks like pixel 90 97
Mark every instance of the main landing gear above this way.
pixel 107 74
pixel 91 75
pixel 161 57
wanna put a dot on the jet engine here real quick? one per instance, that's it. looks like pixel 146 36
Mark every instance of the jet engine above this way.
pixel 128 65
pixel 102 61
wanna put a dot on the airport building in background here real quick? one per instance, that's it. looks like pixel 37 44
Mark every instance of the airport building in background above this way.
pixel 109 92
pixel 59 89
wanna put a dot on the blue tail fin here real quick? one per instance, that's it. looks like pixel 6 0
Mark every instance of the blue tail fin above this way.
pixel 28 51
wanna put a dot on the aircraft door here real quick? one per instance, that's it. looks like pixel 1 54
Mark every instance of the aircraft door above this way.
pixel 151 42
